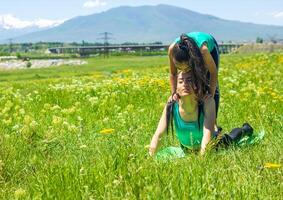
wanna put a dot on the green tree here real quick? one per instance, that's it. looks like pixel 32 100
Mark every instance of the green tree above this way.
pixel 259 40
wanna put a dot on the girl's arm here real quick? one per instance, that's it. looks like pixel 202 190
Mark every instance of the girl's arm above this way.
pixel 211 66
pixel 173 70
pixel 209 120
pixel 161 128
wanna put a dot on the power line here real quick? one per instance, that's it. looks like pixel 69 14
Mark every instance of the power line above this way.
pixel 106 39
pixel 10 45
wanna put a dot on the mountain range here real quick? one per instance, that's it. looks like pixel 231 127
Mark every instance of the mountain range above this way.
pixel 149 24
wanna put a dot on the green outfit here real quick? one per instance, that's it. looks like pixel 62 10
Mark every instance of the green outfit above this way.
pixel 171 153
pixel 188 133
pixel 200 38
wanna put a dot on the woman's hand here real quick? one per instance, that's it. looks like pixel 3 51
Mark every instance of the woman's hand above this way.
pixel 207 97
pixel 175 97
pixel 202 151
pixel 161 128
pixel 151 151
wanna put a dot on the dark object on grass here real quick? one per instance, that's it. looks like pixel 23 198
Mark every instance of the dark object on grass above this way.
pixel 234 136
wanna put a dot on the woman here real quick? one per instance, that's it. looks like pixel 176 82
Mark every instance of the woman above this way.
pixel 196 52
pixel 193 116
pixel 194 121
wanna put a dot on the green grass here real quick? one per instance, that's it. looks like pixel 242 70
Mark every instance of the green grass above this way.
pixel 100 64
pixel 51 146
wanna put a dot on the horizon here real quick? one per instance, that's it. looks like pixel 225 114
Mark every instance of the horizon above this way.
pixel 266 13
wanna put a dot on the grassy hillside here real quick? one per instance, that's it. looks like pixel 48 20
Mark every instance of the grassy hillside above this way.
pixel 82 132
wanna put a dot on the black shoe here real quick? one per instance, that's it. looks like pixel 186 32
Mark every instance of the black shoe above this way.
pixel 247 129
pixel 216 133
pixel 236 134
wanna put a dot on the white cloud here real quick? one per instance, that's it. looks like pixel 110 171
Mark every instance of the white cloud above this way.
pixel 94 3
pixel 9 21
pixel 42 23
pixel 269 14
pixel 278 14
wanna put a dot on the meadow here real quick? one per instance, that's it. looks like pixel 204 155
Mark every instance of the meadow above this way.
pixel 82 132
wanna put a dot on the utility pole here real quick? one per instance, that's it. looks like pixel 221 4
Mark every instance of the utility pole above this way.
pixel 11 45
pixel 272 38
pixel 105 39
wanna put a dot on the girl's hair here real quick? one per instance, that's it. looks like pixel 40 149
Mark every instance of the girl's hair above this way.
pixel 169 116
pixel 188 51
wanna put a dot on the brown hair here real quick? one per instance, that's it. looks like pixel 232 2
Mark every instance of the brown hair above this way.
pixel 188 51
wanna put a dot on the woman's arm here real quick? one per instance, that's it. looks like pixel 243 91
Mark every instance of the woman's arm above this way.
pixel 161 128
pixel 209 120
pixel 173 70
pixel 211 66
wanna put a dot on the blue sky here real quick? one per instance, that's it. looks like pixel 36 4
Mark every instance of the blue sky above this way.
pixel 256 11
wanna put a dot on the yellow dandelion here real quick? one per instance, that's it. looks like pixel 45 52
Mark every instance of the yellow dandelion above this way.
pixel 33 125
pixel 57 120
pixel 83 146
pixel 126 71
pixel 271 165
pixel 280 59
pixel 7 121
pixel 47 106
pixel 19 193
pixel 107 131
pixel 56 107
pixel 27 120
pixel 77 104
pixel 22 111
pixel 273 94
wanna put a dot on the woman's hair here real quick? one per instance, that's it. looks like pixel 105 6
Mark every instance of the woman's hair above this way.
pixel 188 51
pixel 169 116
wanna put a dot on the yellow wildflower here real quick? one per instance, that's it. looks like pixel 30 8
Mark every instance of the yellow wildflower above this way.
pixel 27 120
pixel 22 111
pixel 19 193
pixel 47 106
pixel 107 131
pixel 271 165
pixel 56 120
pixel 280 59
pixel 7 121
pixel 33 125
pixel 83 146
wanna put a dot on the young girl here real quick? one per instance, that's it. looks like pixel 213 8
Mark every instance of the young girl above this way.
pixel 196 52
pixel 193 121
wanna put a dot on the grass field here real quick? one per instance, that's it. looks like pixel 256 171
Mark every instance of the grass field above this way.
pixel 81 132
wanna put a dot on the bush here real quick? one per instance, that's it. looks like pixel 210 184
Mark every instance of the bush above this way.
pixel 259 40
pixel 4 54
pixel 19 56
pixel 29 64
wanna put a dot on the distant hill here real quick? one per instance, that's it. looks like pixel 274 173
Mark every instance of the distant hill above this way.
pixel 6 34
pixel 150 24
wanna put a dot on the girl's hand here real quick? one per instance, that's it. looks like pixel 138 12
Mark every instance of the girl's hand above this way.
pixel 207 96
pixel 175 97
pixel 151 151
